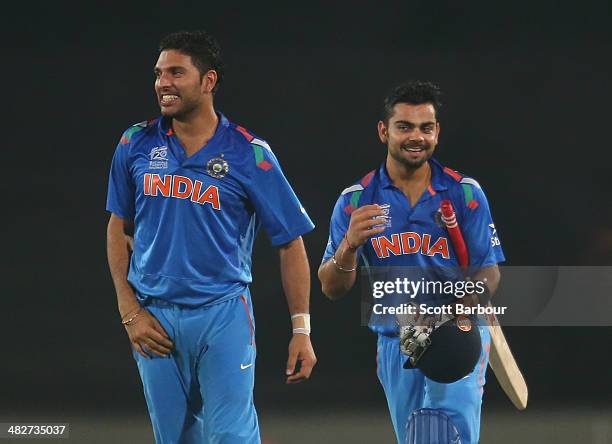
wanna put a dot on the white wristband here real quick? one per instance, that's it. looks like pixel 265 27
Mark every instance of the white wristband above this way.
pixel 305 330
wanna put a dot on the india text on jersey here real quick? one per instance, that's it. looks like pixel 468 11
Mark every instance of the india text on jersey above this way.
pixel 409 243
pixel 181 187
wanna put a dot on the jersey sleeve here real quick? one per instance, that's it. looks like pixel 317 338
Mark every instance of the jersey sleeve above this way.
pixel 337 227
pixel 479 230
pixel 276 204
pixel 121 189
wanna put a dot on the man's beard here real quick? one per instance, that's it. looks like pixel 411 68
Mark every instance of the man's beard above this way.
pixel 412 164
pixel 183 112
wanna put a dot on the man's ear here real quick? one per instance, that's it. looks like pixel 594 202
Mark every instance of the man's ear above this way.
pixel 382 132
pixel 209 80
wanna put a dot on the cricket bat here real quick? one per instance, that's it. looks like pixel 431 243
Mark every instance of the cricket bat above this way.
pixel 501 359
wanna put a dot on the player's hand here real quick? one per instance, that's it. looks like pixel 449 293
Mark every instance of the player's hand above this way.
pixel 469 300
pixel 475 299
pixel 130 243
pixel 148 336
pixel 360 227
pixel 300 350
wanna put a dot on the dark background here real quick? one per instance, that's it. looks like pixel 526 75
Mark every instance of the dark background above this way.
pixel 526 92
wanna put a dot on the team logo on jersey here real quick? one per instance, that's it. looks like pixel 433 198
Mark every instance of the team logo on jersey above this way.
pixel 217 167
pixel 158 158
pixel 437 217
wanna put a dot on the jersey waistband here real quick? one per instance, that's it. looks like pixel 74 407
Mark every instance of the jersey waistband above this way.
pixel 155 301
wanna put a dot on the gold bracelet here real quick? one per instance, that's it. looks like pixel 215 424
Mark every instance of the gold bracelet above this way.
pixel 131 311
pixel 134 316
pixel 339 267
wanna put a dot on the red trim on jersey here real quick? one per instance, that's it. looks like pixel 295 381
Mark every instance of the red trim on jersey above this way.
pixel 367 178
pixel 170 132
pixel 246 307
pixel 245 133
pixel 472 204
pixel 454 174
pixel 264 165
pixel 349 209
pixel 431 190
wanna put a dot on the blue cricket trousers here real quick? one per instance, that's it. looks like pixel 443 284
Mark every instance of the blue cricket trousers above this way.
pixel 408 390
pixel 203 391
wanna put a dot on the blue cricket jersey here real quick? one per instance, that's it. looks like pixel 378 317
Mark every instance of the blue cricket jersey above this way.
pixel 416 237
pixel 196 217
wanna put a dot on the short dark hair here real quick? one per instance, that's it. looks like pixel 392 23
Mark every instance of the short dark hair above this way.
pixel 414 92
pixel 202 47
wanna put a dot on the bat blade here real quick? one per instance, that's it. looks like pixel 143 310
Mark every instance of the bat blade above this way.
pixel 506 369
pixel 501 359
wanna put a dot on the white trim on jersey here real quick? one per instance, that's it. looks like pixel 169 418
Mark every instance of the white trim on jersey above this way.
pixel 470 181
pixel 352 188
pixel 262 143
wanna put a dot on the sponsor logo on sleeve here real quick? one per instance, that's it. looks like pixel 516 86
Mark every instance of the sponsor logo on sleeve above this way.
pixel 494 239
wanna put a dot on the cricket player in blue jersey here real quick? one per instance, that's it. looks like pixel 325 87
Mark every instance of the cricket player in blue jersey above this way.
pixel 193 189
pixel 404 193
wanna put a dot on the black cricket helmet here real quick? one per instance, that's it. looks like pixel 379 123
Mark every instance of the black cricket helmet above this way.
pixel 453 353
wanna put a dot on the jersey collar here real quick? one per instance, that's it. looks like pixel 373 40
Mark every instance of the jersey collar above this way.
pixel 164 124
pixel 437 175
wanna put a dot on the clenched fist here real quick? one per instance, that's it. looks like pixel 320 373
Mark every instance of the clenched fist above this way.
pixel 362 222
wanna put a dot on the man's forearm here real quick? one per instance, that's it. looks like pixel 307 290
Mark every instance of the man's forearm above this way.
pixel 491 277
pixel 334 281
pixel 118 262
pixel 295 276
